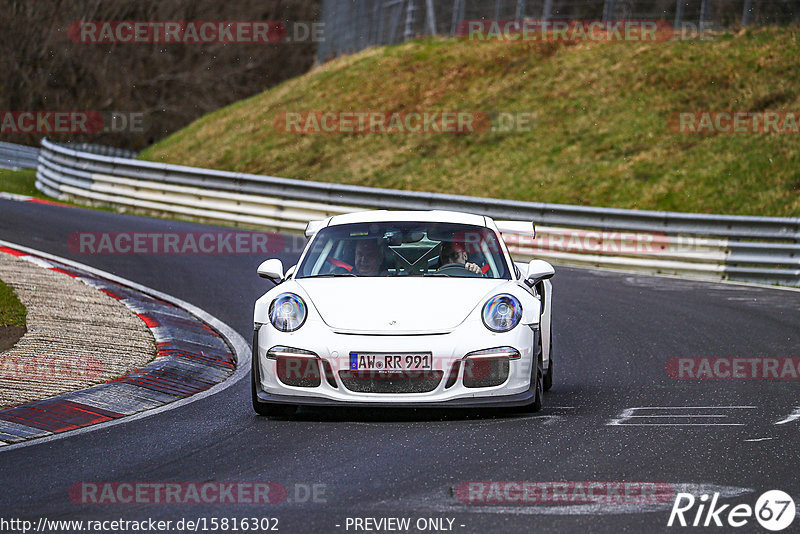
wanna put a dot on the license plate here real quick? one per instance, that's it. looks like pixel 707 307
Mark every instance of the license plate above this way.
pixel 391 362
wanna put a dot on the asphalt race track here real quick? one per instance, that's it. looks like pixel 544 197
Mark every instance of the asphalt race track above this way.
pixel 614 413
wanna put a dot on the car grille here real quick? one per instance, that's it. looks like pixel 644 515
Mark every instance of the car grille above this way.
pixel 373 382
pixel 298 372
pixel 484 373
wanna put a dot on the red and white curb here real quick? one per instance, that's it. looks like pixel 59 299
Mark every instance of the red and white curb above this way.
pixel 26 198
pixel 198 356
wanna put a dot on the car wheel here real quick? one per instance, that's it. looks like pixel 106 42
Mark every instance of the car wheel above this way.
pixel 547 383
pixel 536 403
pixel 548 377
pixel 269 409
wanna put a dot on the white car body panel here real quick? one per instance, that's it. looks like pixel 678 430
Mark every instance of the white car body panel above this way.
pixel 393 305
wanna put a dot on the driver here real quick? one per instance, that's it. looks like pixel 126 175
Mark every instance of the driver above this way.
pixel 369 258
pixel 454 257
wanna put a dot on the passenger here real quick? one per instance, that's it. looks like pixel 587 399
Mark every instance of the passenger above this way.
pixel 454 258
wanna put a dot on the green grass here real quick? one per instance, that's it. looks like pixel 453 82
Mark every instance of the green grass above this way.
pixel 600 135
pixel 23 182
pixel 19 182
pixel 12 312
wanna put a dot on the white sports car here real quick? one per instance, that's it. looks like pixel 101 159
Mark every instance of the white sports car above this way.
pixel 403 309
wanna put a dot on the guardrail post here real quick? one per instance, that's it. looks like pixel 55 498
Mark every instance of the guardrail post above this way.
pixel 378 40
pixel 395 20
pixel 520 14
pixel 547 10
pixel 609 10
pixel 458 16
pixel 704 5
pixel 678 25
pixel 748 9
pixel 363 23
pixel 431 15
pixel 411 8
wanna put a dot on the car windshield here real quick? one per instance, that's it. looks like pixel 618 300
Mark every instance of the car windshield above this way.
pixel 405 249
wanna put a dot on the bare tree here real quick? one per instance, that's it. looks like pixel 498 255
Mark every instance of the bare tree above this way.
pixel 172 84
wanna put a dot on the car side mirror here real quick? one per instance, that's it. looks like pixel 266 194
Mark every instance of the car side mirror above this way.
pixel 271 269
pixel 290 271
pixel 539 270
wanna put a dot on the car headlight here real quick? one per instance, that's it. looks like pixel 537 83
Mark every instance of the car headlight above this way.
pixel 502 313
pixel 288 312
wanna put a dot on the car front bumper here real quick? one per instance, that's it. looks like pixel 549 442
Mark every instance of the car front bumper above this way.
pixel 447 349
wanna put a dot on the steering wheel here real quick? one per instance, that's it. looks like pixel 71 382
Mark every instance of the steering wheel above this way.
pixel 458 269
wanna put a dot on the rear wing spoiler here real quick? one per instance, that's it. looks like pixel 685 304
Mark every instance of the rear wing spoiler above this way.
pixel 315 226
pixel 505 227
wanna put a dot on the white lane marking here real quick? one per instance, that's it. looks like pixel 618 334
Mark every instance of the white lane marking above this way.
pixel 758 439
pixel 240 347
pixel 682 424
pixel 693 407
pixel 794 416
pixel 682 415
pixel 629 414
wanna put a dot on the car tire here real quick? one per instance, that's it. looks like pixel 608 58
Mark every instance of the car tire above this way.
pixel 548 377
pixel 269 409
pixel 547 382
pixel 535 404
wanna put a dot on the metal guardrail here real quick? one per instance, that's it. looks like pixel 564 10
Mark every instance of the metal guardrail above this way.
pixel 104 150
pixel 18 157
pixel 755 249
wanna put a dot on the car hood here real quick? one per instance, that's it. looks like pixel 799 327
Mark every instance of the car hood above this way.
pixel 397 305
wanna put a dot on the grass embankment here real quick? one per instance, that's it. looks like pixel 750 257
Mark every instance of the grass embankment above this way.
pixel 12 317
pixel 23 182
pixel 600 135
pixel 12 312
pixel 19 182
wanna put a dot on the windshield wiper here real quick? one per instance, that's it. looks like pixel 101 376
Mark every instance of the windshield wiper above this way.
pixel 438 274
pixel 331 275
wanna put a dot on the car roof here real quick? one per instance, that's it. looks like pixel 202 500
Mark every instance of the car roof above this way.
pixel 456 217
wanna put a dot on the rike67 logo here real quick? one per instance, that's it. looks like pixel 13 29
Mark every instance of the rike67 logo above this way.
pixel 774 510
